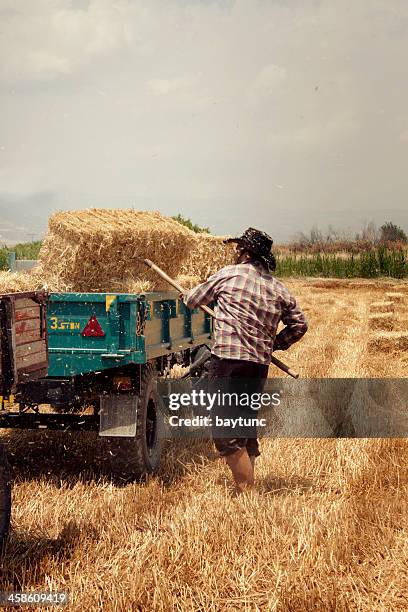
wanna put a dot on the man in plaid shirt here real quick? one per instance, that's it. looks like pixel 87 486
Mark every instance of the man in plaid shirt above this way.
pixel 250 303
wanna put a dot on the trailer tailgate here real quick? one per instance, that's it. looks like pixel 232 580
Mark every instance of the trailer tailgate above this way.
pixel 23 339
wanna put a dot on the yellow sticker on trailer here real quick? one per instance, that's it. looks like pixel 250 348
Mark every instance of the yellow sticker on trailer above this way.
pixel 108 301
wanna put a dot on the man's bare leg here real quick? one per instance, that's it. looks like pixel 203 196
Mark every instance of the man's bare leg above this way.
pixel 241 467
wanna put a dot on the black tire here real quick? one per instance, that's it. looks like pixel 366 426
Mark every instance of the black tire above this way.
pixel 134 458
pixel 5 497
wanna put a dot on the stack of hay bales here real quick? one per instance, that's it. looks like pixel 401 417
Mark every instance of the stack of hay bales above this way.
pixel 97 249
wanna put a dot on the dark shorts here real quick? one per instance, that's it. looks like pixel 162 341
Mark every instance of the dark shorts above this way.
pixel 255 374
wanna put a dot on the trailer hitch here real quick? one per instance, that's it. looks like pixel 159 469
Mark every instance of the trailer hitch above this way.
pixel 197 364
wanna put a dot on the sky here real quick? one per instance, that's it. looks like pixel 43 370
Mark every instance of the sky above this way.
pixel 275 114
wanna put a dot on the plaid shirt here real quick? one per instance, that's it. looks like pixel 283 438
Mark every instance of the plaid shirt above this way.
pixel 250 302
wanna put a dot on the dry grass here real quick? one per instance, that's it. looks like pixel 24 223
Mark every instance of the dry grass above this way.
pixel 327 529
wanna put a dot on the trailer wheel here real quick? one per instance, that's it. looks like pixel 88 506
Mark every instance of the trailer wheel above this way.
pixel 5 497
pixel 133 458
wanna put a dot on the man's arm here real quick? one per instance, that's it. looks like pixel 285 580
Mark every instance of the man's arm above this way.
pixel 205 293
pixel 295 322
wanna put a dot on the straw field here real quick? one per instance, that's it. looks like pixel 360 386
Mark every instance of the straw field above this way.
pixel 339 343
pixel 326 530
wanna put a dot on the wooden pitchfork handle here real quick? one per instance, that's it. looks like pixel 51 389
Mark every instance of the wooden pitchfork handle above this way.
pixel 277 362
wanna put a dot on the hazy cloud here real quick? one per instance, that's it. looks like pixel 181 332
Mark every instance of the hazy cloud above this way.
pixel 266 83
pixel 47 39
pixel 164 87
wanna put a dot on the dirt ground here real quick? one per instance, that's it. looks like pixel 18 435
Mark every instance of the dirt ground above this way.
pixel 326 530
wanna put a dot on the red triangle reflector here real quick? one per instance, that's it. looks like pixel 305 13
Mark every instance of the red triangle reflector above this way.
pixel 93 329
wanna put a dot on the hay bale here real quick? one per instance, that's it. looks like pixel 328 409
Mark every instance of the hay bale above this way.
pixel 382 307
pixel 381 320
pixel 388 342
pixel 13 282
pixel 96 249
pixel 395 297
pixel 207 255
pixel 135 286
pixel 188 281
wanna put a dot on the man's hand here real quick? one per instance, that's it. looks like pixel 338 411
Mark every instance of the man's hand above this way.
pixel 278 347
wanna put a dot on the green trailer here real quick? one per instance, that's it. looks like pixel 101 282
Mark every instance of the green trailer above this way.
pixel 92 361
pixel 106 352
pixel 92 332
